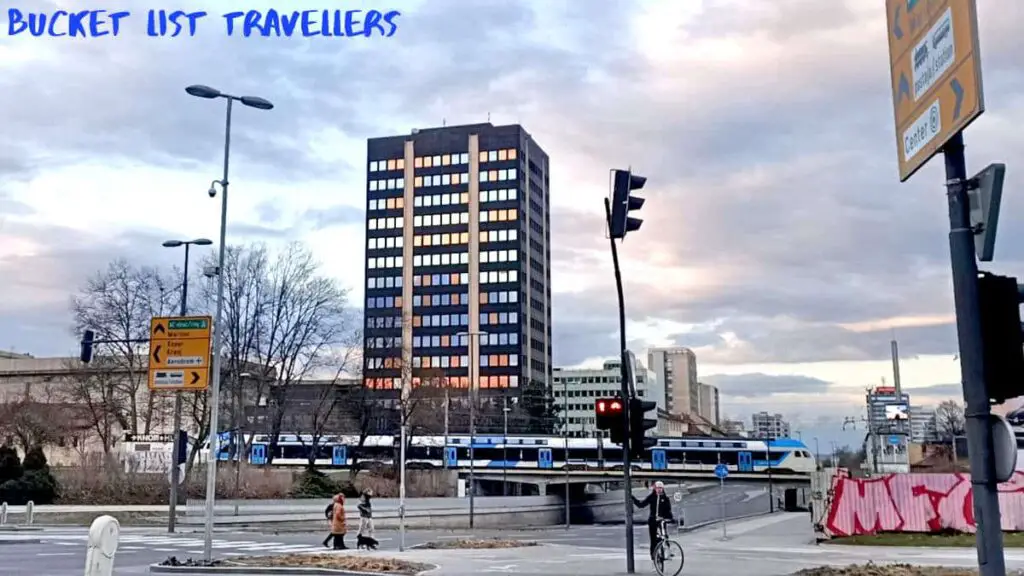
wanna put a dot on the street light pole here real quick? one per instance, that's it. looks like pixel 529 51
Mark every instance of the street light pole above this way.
pixel 200 91
pixel 172 515
pixel 768 458
pixel 505 450
pixel 474 383
pixel 565 438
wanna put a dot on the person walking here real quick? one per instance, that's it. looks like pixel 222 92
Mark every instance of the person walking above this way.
pixel 661 508
pixel 335 512
pixel 365 539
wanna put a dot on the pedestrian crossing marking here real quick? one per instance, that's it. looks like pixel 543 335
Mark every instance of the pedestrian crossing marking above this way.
pixel 157 543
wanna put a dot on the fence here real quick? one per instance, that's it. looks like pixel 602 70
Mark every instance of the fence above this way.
pixel 848 506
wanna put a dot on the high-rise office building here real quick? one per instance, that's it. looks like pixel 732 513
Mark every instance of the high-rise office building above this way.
pixel 708 402
pixel 676 369
pixel 765 425
pixel 458 248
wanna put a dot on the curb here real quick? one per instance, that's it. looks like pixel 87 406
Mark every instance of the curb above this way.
pixel 423 546
pixel 12 528
pixel 278 570
pixel 19 541
pixel 695 527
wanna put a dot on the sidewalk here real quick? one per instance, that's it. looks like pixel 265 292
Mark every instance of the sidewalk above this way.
pixel 775 545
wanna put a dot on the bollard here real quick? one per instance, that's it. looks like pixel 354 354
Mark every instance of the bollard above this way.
pixel 3 513
pixel 30 512
pixel 103 537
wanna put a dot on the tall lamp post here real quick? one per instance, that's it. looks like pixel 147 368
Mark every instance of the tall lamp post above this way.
pixel 504 449
pixel 175 472
pixel 200 91
pixel 474 384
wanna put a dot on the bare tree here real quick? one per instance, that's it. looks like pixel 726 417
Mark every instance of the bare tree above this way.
pixel 118 304
pixel 949 420
pixel 96 393
pixel 302 322
pixel 362 410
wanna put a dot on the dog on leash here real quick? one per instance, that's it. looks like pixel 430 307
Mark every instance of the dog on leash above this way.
pixel 366 542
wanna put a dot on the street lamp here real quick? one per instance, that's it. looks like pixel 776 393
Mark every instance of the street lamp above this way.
pixel 173 503
pixel 474 384
pixel 504 450
pixel 206 92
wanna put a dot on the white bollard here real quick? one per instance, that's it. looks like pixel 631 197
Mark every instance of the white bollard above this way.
pixel 30 512
pixel 103 537
pixel 3 513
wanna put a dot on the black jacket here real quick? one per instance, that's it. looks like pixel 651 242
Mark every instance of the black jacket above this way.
pixel 660 506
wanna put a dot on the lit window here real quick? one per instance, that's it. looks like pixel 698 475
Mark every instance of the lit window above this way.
pixel 483 176
pixel 464 158
pixel 446 160
pixel 418 182
pixel 391 165
pixel 502 155
pixel 418 162
pixel 427 162
pixel 437 160
pixel 512 154
pixel 464 178
pixel 400 164
pixel 492 156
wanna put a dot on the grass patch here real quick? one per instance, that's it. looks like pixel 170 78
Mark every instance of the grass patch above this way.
pixel 476 544
pixel 890 570
pixel 336 562
pixel 940 540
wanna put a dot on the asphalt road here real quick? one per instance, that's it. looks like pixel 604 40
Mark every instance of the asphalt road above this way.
pixel 61 551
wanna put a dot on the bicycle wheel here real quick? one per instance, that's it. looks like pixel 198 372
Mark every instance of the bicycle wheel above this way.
pixel 668 558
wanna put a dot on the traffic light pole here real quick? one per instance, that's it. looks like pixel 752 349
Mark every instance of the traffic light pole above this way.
pixel 627 464
pixel 969 334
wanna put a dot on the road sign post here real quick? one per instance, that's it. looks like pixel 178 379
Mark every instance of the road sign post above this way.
pixel 722 472
pixel 935 64
pixel 179 353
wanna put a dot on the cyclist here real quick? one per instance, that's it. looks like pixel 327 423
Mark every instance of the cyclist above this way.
pixel 661 509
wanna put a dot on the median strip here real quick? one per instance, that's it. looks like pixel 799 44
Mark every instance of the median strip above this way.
pixel 305 564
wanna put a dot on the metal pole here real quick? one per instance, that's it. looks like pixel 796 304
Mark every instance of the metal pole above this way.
pixel 768 461
pixel 968 323
pixel 401 473
pixel 504 453
pixel 565 438
pixel 172 513
pixel 211 461
pixel 474 369
pixel 721 483
pixel 447 402
pixel 627 476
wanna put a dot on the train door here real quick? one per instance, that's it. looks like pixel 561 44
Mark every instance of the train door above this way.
pixel 658 460
pixel 746 462
pixel 544 459
pixel 258 454
pixel 451 457
pixel 339 456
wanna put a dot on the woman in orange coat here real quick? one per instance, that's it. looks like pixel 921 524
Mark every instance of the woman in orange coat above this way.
pixel 337 518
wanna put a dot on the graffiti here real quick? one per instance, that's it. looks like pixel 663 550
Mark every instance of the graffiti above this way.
pixel 915 503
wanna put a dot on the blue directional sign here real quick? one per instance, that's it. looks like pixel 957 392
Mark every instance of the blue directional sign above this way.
pixel 339 456
pixel 721 471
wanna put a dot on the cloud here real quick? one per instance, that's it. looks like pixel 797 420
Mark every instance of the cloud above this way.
pixel 774 231
pixel 760 385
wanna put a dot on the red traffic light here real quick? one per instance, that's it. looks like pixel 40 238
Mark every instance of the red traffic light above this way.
pixel 609 406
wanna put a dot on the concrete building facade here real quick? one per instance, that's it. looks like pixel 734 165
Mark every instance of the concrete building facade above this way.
pixel 708 403
pixel 765 425
pixel 676 369
pixel 575 391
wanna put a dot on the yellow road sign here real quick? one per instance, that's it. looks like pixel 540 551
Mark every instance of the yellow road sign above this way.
pixel 179 353
pixel 935 64
pixel 188 379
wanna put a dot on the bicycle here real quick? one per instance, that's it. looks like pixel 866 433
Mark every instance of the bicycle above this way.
pixel 667 552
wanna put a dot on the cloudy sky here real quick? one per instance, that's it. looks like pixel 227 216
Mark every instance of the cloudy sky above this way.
pixel 777 243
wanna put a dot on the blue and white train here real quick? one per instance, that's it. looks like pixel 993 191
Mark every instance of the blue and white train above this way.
pixel 693 453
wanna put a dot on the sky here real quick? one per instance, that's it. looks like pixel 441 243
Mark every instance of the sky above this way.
pixel 777 240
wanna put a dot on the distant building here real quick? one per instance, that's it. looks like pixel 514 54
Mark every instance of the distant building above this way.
pixel 765 425
pixel 578 388
pixel 676 370
pixel 708 404
pixel 923 426
pixel 734 427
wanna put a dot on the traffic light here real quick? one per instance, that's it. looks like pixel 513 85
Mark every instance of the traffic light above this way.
pixel 609 417
pixel 87 339
pixel 639 425
pixel 1001 337
pixel 623 183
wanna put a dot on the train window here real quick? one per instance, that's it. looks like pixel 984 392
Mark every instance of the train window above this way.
pixel 738 445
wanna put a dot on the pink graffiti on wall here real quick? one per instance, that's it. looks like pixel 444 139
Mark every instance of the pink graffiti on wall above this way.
pixel 915 503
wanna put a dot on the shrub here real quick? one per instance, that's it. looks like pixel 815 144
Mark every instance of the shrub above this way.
pixel 10 466
pixel 35 460
pixel 314 484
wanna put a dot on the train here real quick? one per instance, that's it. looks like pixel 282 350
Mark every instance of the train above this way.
pixel 686 453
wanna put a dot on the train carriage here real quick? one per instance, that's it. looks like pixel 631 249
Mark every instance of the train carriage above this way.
pixel 491 451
